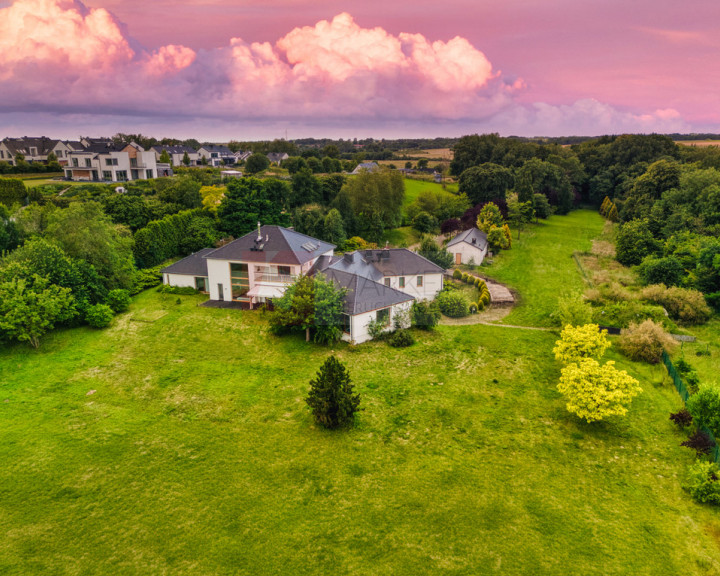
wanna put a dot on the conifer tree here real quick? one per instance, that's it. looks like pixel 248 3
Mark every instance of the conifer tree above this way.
pixel 331 395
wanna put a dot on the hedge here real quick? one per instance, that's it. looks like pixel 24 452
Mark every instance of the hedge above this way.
pixel 161 239
pixel 12 191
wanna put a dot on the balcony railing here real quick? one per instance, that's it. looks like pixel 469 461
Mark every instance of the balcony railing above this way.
pixel 277 278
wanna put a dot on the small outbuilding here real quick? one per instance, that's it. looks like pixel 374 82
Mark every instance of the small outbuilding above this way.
pixel 470 245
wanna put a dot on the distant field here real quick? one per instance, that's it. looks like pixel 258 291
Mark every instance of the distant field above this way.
pixel 700 143
pixel 32 182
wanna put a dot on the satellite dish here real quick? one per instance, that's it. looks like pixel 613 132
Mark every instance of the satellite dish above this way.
pixel 120 190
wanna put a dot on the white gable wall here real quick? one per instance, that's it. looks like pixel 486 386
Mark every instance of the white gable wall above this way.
pixel 179 280
pixel 432 284
pixel 359 323
pixel 467 252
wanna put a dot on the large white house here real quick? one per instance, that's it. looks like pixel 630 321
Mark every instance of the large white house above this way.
pixel 110 162
pixel 260 266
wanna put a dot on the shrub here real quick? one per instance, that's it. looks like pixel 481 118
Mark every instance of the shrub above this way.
pixel 702 482
pixel 401 339
pixel 377 330
pixel 453 304
pixel 179 290
pixel 683 366
pixel 457 274
pixel 705 408
pixel 331 397
pixel 466 278
pixel 119 300
pixel 99 315
pixel 683 304
pixel 485 299
pixel 147 278
pixel 473 308
pixel 682 418
pixel 667 271
pixel 573 310
pixel 578 342
pixel 480 305
pixel 622 314
pixel 700 442
pixel 425 314
pixel 424 222
pixel 646 342
pixel 634 242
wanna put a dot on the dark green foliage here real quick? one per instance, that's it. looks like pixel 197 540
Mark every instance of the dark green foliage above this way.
pixel 177 290
pixel 175 235
pixel 401 339
pixel 453 304
pixel 257 163
pixel 635 242
pixel 310 220
pixel 425 314
pixel 376 200
pixel 332 397
pixel 334 229
pixel 543 210
pixel 182 190
pixel 294 164
pixel 9 231
pixel 119 300
pixel 330 186
pixel 99 315
pixel 705 408
pixel 424 222
pixel 133 211
pixel 668 271
pixel 147 278
pixel 12 191
pixel 305 188
pixel 436 254
pixel 249 201
pixel 485 182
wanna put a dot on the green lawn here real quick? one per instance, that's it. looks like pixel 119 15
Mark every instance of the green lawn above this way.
pixel 197 455
pixel 414 187
pixel 402 237
pixel 540 266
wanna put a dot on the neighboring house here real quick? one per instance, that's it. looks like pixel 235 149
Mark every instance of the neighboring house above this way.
pixel 33 149
pixel 189 272
pixel 469 245
pixel 87 142
pixel 241 156
pixel 366 167
pixel 177 153
pixel 163 169
pixel 216 154
pixel 277 157
pixel 109 162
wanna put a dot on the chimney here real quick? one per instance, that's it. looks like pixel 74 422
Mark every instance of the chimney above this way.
pixel 348 257
pixel 259 237
pixel 474 240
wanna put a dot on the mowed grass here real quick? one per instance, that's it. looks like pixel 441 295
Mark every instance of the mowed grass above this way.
pixel 196 454
pixel 540 266
pixel 414 187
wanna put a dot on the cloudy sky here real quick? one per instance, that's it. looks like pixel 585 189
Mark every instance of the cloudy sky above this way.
pixel 249 69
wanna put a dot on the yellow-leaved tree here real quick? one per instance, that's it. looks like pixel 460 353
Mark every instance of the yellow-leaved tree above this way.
pixel 578 342
pixel 594 391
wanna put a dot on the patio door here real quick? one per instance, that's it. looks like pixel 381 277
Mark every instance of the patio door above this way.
pixel 220 292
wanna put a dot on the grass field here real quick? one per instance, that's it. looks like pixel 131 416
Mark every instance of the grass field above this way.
pixel 177 442
pixel 700 143
pixel 540 265
pixel 414 187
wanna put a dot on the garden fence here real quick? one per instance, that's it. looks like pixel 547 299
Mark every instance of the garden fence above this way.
pixel 685 394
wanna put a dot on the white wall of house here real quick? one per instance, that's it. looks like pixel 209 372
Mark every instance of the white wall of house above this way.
pixel 219 273
pixel 359 323
pixel 179 280
pixel 467 252
pixel 431 285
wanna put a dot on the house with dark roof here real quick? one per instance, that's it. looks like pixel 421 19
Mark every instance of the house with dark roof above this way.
pixel 33 149
pixel 106 161
pixel 277 157
pixel 469 247
pixel 216 154
pixel 261 265
pixel 177 153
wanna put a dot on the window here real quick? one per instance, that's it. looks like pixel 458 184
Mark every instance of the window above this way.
pixel 88 162
pixel 284 270
pixel 107 175
pixel 76 163
pixel 2 154
pixel 346 323
pixel 111 161
pixel 59 154
pixel 149 174
pixel 383 316
pixel 387 282
pixel 200 284
pixel 121 175
pixel 239 279
pixel 133 162
pixel 401 282
pixel 420 281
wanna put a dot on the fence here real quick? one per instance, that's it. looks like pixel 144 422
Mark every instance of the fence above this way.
pixel 685 394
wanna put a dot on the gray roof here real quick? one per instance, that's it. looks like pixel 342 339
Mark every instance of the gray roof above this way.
pixel 219 148
pixel 467 236
pixel 277 245
pixel 399 262
pixel 363 294
pixel 22 145
pixel 355 263
pixel 369 166
pixel 174 149
pixel 193 265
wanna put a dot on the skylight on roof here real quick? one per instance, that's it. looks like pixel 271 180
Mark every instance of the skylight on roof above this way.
pixel 310 246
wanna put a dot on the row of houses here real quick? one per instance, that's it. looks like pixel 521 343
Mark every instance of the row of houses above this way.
pixel 380 283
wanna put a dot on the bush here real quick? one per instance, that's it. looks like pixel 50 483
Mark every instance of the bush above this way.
pixel 622 314
pixel 453 304
pixel 424 222
pixel 578 342
pixel 682 418
pixel 646 342
pixel 331 397
pixel 683 304
pixel 425 314
pixel 480 305
pixel 702 482
pixel 466 278
pixel 457 274
pixel 178 290
pixel 705 408
pixel 485 299
pixel 377 330
pixel 148 278
pixel 99 315
pixel 668 271
pixel 401 339
pixel 700 442
pixel 574 311
pixel 119 300
pixel 473 308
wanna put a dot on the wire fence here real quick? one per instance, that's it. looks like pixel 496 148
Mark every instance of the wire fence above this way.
pixel 685 394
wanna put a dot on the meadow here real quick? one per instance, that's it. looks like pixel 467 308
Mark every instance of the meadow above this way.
pixel 177 441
